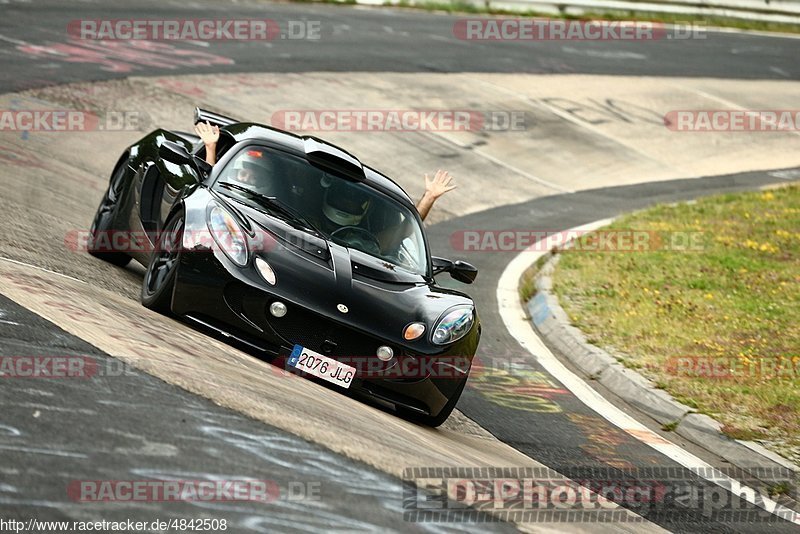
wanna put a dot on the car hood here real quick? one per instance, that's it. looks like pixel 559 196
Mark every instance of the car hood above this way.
pixel 346 285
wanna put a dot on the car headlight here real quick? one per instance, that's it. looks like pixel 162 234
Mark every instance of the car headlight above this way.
pixel 453 326
pixel 228 235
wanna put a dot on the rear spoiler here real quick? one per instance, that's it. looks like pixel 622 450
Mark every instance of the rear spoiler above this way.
pixel 215 119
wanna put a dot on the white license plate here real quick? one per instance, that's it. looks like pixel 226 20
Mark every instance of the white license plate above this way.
pixel 321 366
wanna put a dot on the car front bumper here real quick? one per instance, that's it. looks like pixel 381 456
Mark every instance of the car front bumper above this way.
pixel 234 302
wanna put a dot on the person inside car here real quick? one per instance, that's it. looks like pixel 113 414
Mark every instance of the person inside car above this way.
pixel 249 167
pixel 344 207
pixel 354 218
pixel 435 187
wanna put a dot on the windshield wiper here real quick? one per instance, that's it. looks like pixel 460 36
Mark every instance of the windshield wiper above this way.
pixel 276 205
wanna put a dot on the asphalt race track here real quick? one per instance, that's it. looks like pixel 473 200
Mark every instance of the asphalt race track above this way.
pixel 190 438
pixel 414 44
pixel 199 409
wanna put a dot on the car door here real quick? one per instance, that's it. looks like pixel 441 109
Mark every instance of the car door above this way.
pixel 162 184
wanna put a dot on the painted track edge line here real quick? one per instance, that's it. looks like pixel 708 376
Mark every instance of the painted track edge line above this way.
pixel 3 258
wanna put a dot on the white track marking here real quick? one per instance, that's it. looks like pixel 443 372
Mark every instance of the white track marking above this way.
pixel 41 269
pixel 12 40
pixel 605 54
pixel 521 172
pixel 22 448
pixel 595 130
pixel 778 70
pixel 519 327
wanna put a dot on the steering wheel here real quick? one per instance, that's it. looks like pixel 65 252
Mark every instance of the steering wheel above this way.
pixel 359 238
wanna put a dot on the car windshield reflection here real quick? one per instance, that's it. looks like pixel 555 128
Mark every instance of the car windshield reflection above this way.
pixel 348 213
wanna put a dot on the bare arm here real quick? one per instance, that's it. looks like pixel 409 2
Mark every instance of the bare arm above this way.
pixel 209 135
pixel 434 188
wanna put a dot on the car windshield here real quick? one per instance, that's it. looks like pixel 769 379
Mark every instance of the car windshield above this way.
pixel 348 213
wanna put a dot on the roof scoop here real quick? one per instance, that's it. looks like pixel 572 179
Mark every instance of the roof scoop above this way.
pixel 331 158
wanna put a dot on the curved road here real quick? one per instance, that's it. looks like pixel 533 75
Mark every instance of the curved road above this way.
pixel 560 431
pixel 352 40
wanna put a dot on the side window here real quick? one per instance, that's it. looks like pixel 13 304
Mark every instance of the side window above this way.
pixel 226 141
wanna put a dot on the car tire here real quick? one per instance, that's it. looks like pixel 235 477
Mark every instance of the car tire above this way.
pixel 105 218
pixel 159 280
pixel 444 413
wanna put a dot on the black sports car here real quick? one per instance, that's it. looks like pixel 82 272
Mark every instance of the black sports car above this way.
pixel 291 246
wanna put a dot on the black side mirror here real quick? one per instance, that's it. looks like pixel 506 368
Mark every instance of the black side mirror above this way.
pixel 464 272
pixel 460 270
pixel 176 153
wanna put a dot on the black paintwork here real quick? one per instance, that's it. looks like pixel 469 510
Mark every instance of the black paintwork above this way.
pixel 164 176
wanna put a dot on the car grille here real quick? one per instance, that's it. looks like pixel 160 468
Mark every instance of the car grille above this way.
pixel 311 330
pixel 324 336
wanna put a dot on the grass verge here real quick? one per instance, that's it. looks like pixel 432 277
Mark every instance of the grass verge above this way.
pixel 718 325
pixel 460 6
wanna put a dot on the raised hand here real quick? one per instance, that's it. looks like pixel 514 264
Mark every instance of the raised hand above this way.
pixel 208 134
pixel 439 185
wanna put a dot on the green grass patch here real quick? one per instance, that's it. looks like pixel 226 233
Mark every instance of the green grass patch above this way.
pixel 670 427
pixel 779 488
pixel 702 21
pixel 455 6
pixel 717 326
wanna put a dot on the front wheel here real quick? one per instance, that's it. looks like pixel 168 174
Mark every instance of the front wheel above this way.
pixel 159 280
pixel 444 413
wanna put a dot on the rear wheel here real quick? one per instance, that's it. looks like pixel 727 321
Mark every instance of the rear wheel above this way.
pixel 159 280
pixel 101 237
